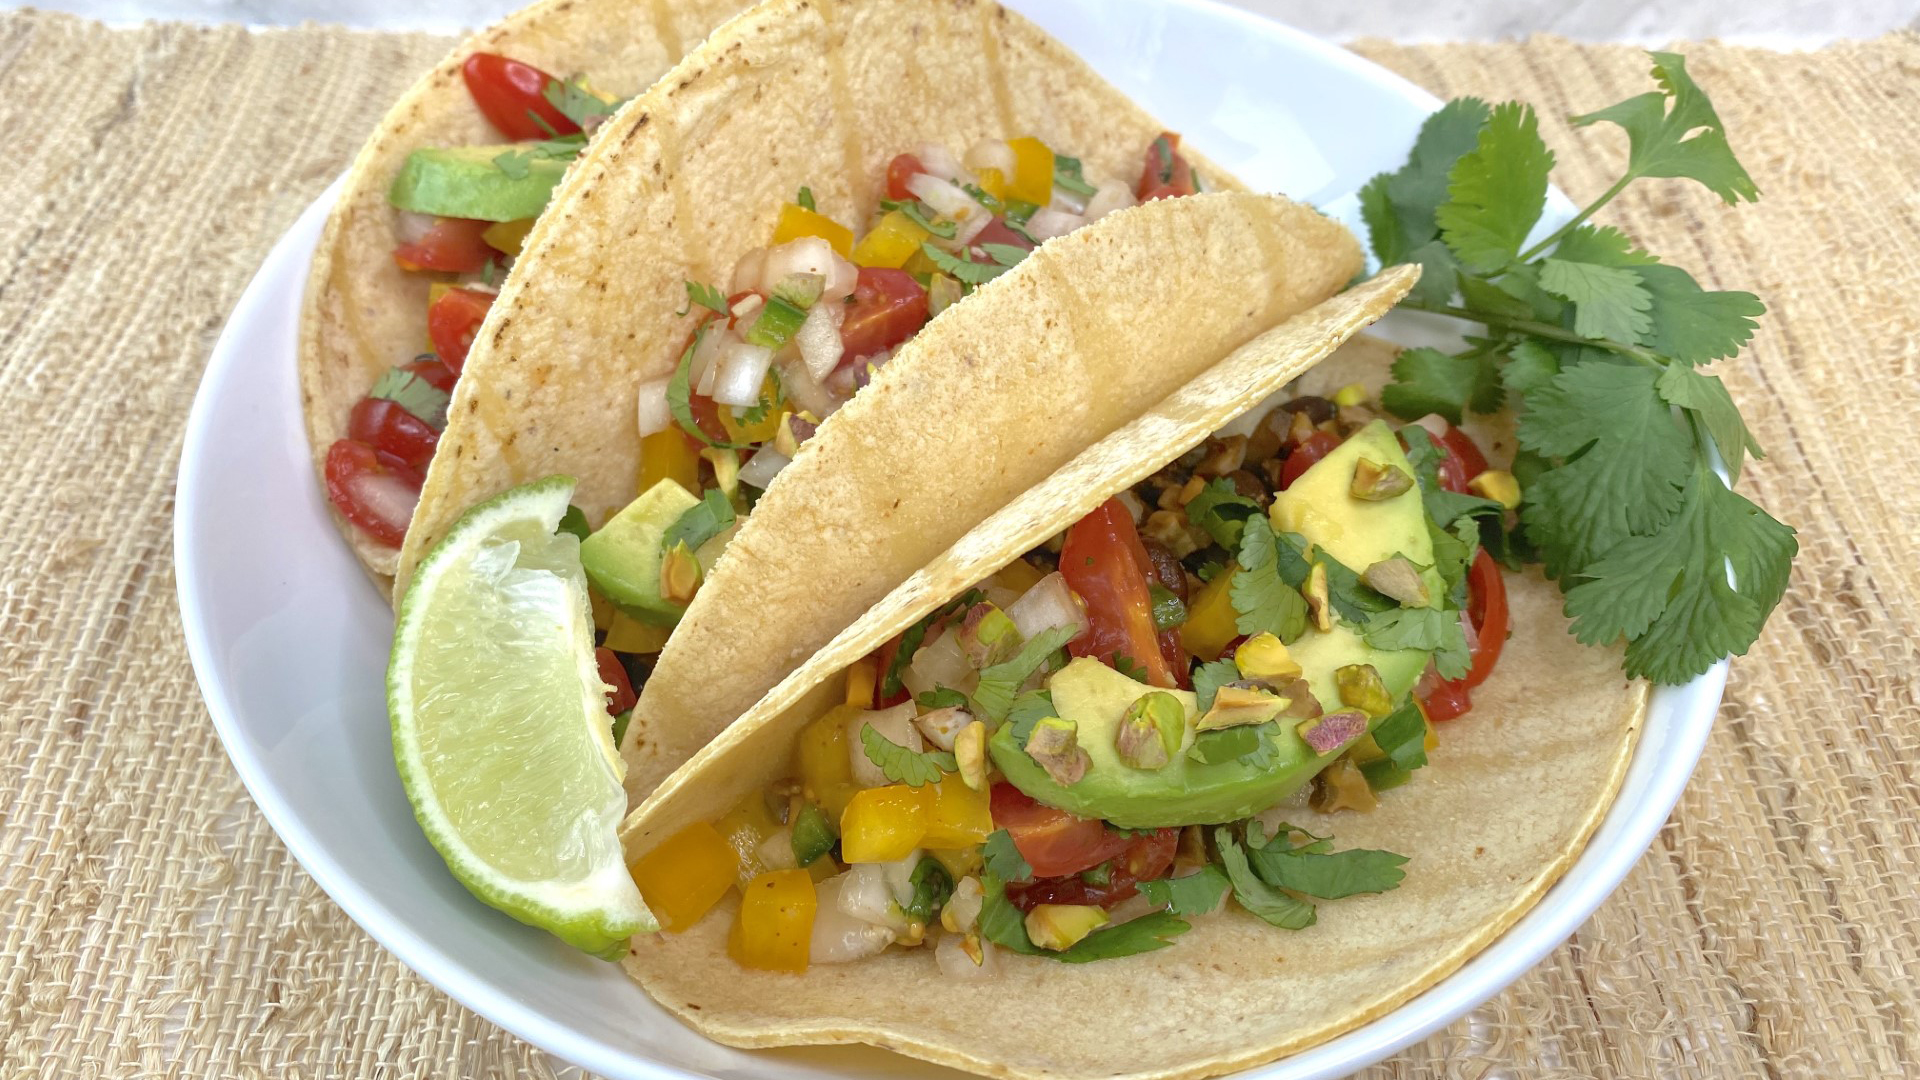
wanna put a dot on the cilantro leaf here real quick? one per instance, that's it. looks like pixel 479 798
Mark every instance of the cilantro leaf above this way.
pixel 680 391
pixel 922 215
pixel 1221 511
pixel 1249 745
pixel 1430 629
pixel 941 697
pixel 1398 207
pixel 425 401
pixel 1209 677
pixel 1067 174
pixel 1264 602
pixel 932 886
pixel 1000 922
pixel 701 522
pixel 1194 894
pixel 965 271
pixel 1686 140
pixel 804 199
pixel 707 296
pixel 575 521
pixel 1430 381
pixel 1329 875
pixel 517 164
pixel 1600 246
pixel 1131 668
pixel 1706 396
pixel 1608 301
pixel 1496 191
pixel 620 726
pixel 1259 898
pixel 993 697
pixel 1008 255
pixel 576 102
pixel 1031 707
pixel 1131 938
pixel 1530 365
pixel 903 766
pixel 1402 736
pixel 1692 325
pixel 1003 859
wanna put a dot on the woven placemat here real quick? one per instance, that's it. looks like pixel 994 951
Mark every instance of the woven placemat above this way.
pixel 154 926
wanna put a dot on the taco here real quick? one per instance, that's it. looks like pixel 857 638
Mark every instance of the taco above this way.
pixel 848 280
pixel 428 222
pixel 1163 770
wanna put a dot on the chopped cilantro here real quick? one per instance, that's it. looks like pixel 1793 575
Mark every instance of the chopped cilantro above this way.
pixel 620 726
pixel 993 697
pixel 701 522
pixel 1169 610
pixel 515 163
pixel 576 102
pixel 1231 744
pixel 1209 677
pixel 1327 875
pixel 1003 859
pixel 427 402
pixel 805 199
pixel 1008 255
pixel 769 397
pixel 1067 174
pixel 1265 603
pixel 1029 709
pixel 1259 898
pixel 1131 668
pixel 575 521
pixel 1220 511
pixel 967 272
pixel 941 697
pixel 1195 894
pixel 1402 736
pixel 707 296
pixel 1131 938
pixel 1435 630
pixel 922 215
pixel 932 886
pixel 903 766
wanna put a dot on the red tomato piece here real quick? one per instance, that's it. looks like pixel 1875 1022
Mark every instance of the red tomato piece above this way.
pixel 1106 566
pixel 1487 607
pixel 998 232
pixel 883 662
pixel 888 308
pixel 510 94
pixel 453 320
pixel 901 169
pixel 375 491
pixel 1460 459
pixel 614 673
pixel 1318 445
pixel 436 373
pixel 1147 857
pixel 388 427
pixel 452 245
pixel 1166 173
pixel 1054 842
pixel 1448 700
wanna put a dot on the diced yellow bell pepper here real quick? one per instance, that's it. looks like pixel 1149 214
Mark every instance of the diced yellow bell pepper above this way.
pixel 775 926
pixel 762 430
pixel 893 240
pixel 629 635
pixel 743 828
pixel 995 183
pixel 960 816
pixel 885 823
pixel 1032 170
pixel 668 455
pixel 507 236
pixel 959 862
pixel 797 221
pixel 686 875
pixel 1211 620
pixel 826 773
pixel 860 679
pixel 1432 741
pixel 603 612
pixel 1018 575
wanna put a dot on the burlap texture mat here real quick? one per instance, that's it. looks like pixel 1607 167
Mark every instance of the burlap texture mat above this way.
pixel 154 926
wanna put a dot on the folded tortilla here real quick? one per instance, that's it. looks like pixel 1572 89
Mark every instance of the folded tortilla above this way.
pixel 988 399
pixel 362 313
pixel 1505 805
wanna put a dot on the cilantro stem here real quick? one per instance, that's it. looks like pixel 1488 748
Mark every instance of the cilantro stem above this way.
pixel 1538 329
pixel 1578 219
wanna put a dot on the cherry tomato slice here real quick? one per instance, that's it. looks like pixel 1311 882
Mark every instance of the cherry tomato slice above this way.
pixel 1460 460
pixel 614 673
pixel 375 492
pixel 1487 607
pixel 388 427
pixel 453 320
pixel 1148 857
pixel 1106 566
pixel 1054 842
pixel 452 245
pixel 1448 700
pixel 510 94
pixel 1318 445
pixel 1165 174
pixel 888 307
pixel 436 373
pixel 900 170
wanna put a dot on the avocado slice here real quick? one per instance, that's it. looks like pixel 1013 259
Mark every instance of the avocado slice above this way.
pixel 465 182
pixel 1096 698
pixel 622 557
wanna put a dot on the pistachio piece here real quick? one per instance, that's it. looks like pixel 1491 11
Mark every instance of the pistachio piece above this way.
pixel 1351 394
pixel 1223 456
pixel 1301 704
pixel 679 574
pixel 1301 427
pixel 726 468
pixel 1328 733
pixel 1319 604
pixel 942 726
pixel 970 753
pixel 1341 786
pixel 1236 706
pixel 1151 730
pixel 1170 529
pixel 1498 485
pixel 988 635
pixel 1057 927
pixel 1263 656
pixel 1398 579
pixel 1054 745
pixel 1360 687
pixel 1374 482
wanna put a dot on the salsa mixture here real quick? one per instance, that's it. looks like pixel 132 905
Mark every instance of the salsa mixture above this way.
pixel 1104 736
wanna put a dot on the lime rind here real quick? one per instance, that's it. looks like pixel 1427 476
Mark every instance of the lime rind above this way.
pixel 500 732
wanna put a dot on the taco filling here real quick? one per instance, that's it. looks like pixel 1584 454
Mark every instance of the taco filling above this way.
pixel 1126 726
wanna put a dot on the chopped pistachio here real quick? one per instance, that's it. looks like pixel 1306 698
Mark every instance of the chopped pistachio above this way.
pixel 726 468
pixel 1301 703
pixel 1054 745
pixel 1319 604
pixel 1236 706
pixel 1360 687
pixel 1151 730
pixel 679 574
pixel 1328 733
pixel 1263 656
pixel 1170 529
pixel 1341 786
pixel 1398 579
pixel 1351 394
pixel 1058 927
pixel 1498 485
pixel 988 635
pixel 970 752
pixel 972 947
pixel 1190 491
pixel 1374 482
pixel 785 442
pixel 942 727
pixel 1223 456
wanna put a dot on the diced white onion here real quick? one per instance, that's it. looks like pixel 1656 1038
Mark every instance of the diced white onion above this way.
pixel 1047 223
pixel 654 416
pixel 951 955
pixel 1435 424
pixel 739 373
pixel 946 199
pixel 1134 506
pixel 938 160
pixel 748 304
pixel 940 662
pixel 962 909
pixel 990 154
pixel 804 390
pixel 706 357
pixel 762 467
pixel 1067 202
pixel 895 724
pixel 819 339
pixel 1112 195
pixel 867 896
pixel 748 271
pixel 411 228
pixel 1048 604
pixel 776 851
pixel 837 936
pixel 941 726
pixel 809 255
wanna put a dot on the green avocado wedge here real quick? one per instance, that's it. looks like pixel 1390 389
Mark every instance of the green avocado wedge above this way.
pixel 622 558
pixel 468 182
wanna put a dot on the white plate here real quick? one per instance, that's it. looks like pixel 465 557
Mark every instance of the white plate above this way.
pixel 289 640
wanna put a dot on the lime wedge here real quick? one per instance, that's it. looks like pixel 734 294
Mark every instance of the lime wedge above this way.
pixel 500 726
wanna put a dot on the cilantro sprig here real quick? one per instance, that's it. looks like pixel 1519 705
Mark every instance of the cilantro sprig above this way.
pixel 1599 343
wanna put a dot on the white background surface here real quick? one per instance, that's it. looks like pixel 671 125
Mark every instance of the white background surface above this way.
pixel 1774 23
